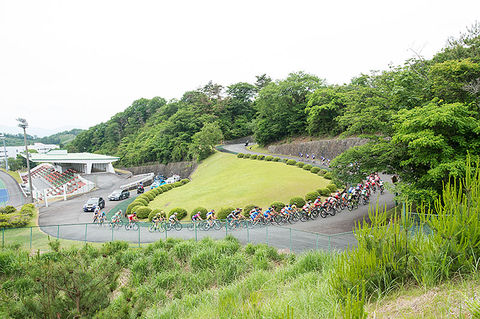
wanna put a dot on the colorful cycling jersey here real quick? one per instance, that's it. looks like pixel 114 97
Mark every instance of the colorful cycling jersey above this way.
pixel 231 216
pixel 130 217
pixel 209 213
pixel 196 216
pixel 172 217
pixel 254 215
pixel 103 214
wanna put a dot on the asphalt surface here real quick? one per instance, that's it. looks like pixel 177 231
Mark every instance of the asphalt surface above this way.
pixel 12 193
pixel 333 232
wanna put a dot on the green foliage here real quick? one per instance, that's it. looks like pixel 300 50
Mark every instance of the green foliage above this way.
pixel 328 175
pixel 154 213
pixel 322 172
pixel 300 164
pixel 141 201
pixel 181 213
pixel 203 212
pixel 246 155
pixel 131 207
pixel 177 184
pixel 261 157
pixel 247 209
pixel 253 156
pixel 315 170
pixel 311 196
pixel 332 187
pixel 276 159
pixel 10 217
pixel 298 201
pixel 324 191
pixel 203 142
pixel 7 210
pixel 291 162
pixel 143 212
pixel 268 158
pixel 185 181
pixel 277 205
pixel 224 211
pixel 307 167
pixel 150 195
pixel 240 155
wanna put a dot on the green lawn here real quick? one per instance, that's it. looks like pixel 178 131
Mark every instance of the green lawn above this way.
pixel 14 174
pixel 224 180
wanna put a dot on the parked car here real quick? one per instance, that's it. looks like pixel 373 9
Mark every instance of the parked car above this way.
pixel 92 203
pixel 119 194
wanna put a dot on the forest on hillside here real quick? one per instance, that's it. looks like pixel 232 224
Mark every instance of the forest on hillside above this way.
pixel 60 138
pixel 422 117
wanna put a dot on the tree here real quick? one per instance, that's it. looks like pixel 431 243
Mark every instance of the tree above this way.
pixel 205 140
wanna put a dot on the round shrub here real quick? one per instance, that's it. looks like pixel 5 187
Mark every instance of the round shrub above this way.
pixel 322 172
pixel 180 212
pixel 246 155
pixel 253 156
pixel 155 191
pixel 150 195
pixel 261 157
pixel 307 167
pixel 332 187
pixel 240 155
pixel 143 212
pixel 203 212
pixel 300 164
pixel 277 205
pixel 268 158
pixel 185 181
pixel 276 159
pixel 131 207
pixel 328 175
pixel 158 190
pixel 223 213
pixel 247 209
pixel 177 184
pixel 155 212
pixel 291 162
pixel 311 196
pixel 324 191
pixel 27 209
pixel 315 170
pixel 142 201
pixel 285 160
pixel 167 187
pixel 298 201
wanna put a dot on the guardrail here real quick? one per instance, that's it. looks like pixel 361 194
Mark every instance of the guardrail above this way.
pixel 148 176
pixel 285 238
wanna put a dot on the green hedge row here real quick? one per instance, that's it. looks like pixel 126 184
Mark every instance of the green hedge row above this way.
pixel 10 217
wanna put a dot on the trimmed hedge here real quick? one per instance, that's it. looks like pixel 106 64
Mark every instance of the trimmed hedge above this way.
pixel 246 155
pixel 131 206
pixel 240 155
pixel 185 181
pixel 28 209
pixel 224 212
pixel 261 157
pixel 180 212
pixel 142 201
pixel 155 212
pixel 253 156
pixel 277 205
pixel 324 191
pixel 315 170
pixel 311 196
pixel 247 209
pixel 291 162
pixel 177 184
pixel 298 201
pixel 328 175
pixel 276 159
pixel 307 167
pixel 268 158
pixel 167 187
pixel 203 212
pixel 151 196
pixel 332 187
pixel 300 164
pixel 143 212
pixel 322 172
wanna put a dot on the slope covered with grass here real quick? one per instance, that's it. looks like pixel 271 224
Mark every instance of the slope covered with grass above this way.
pixel 223 180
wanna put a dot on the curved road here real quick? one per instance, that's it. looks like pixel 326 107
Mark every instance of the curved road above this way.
pixel 10 192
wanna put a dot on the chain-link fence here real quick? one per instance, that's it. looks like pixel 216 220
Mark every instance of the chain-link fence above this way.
pixel 289 239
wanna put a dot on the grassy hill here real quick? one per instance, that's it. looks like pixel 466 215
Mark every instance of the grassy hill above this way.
pixel 223 180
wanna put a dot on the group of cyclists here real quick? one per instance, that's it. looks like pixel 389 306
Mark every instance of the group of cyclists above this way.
pixel 349 198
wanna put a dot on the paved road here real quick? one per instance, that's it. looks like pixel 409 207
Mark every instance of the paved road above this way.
pixel 10 191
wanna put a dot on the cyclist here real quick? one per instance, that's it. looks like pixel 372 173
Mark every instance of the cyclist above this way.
pixel 306 208
pixel 196 217
pixel 96 216
pixel 254 213
pixel 173 218
pixel 211 216
pixel 238 214
pixel 132 218
pixel 157 219
pixel 103 217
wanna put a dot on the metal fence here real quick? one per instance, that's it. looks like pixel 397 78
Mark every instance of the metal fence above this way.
pixel 289 239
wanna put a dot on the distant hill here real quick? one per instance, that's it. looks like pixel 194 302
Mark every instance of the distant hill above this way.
pixel 61 138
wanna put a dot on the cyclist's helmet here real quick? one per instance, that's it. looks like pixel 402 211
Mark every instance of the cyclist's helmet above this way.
pixel 293 206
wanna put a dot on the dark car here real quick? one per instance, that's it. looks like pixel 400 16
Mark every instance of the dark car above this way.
pixel 119 194
pixel 92 203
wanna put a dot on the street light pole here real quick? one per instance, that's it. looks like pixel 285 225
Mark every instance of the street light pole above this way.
pixel 2 136
pixel 23 124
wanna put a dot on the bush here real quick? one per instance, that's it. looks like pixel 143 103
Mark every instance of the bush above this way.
pixel 253 156
pixel 322 172
pixel 203 212
pixel 240 155
pixel 155 212
pixel 167 187
pixel 223 213
pixel 324 191
pixel 277 205
pixel 268 158
pixel 291 162
pixel 28 209
pixel 185 181
pixel 311 196
pixel 141 201
pixel 181 213
pixel 298 201
pixel 247 209
pixel 143 212
pixel 332 187
pixel 131 206
pixel 261 157
pixel 276 159
pixel 151 195
pixel 7 210
pixel 246 155
pixel 177 184
pixel 315 170
pixel 307 167
pixel 328 175
pixel 300 164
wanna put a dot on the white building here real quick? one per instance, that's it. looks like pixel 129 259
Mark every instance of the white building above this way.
pixel 13 151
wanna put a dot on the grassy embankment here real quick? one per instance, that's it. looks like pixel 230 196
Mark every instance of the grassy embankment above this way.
pixel 14 174
pixel 223 180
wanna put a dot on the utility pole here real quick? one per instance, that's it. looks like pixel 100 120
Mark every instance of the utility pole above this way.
pixel 2 136
pixel 23 124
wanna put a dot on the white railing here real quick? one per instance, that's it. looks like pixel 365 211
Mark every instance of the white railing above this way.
pixel 145 178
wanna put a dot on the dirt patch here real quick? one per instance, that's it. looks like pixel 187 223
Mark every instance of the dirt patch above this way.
pixel 123 279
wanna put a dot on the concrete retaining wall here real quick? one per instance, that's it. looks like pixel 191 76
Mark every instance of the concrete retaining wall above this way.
pixel 184 169
pixel 330 148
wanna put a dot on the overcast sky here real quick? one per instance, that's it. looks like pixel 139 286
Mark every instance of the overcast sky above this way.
pixel 74 64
